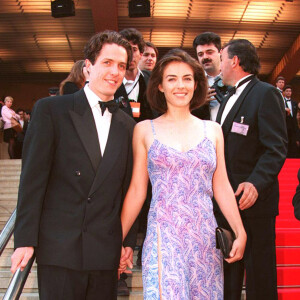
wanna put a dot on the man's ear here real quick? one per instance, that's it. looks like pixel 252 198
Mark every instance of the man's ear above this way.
pixel 87 64
pixel 235 61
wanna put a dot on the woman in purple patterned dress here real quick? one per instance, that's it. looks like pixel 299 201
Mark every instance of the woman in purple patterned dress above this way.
pixel 184 158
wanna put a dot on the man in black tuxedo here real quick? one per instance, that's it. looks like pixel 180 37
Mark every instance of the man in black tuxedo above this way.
pixel 133 88
pixel 253 123
pixel 77 164
pixel 291 122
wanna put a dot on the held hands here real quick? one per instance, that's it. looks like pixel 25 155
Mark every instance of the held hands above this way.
pixel 20 258
pixel 238 248
pixel 125 261
pixel 249 196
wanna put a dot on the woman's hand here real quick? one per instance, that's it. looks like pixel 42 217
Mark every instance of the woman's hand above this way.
pixel 238 248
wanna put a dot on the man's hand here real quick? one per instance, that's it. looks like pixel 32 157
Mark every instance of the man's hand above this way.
pixel 126 260
pixel 288 111
pixel 249 196
pixel 20 258
pixel 210 95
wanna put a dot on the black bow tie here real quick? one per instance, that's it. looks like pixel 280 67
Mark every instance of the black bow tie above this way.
pixel 232 90
pixel 111 105
pixel 288 100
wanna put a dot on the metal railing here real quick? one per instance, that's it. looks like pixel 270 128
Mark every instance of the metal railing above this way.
pixel 7 231
pixel 18 280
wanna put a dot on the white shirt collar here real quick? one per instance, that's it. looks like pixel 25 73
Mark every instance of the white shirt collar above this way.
pixel 92 98
pixel 241 80
pixel 136 78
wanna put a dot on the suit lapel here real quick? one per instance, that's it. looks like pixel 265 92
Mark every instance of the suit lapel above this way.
pixel 85 126
pixel 235 108
pixel 112 149
pixel 121 91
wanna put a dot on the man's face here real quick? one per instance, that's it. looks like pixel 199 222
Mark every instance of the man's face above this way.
pixel 226 67
pixel 209 58
pixel 21 114
pixel 26 116
pixel 136 56
pixel 288 93
pixel 108 71
pixel 280 84
pixel 148 59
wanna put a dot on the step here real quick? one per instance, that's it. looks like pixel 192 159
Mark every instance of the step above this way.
pixel 10 162
pixel 287 223
pixel 35 296
pixel 288 276
pixel 288 237
pixel 288 293
pixel 9 190
pixel 288 256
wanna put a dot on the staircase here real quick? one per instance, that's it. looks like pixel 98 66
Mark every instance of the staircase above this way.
pixel 288 235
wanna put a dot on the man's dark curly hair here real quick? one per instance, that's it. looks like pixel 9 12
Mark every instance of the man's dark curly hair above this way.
pixel 95 44
pixel 134 36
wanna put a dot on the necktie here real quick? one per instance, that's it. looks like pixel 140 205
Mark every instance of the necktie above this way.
pixel 111 105
pixel 288 100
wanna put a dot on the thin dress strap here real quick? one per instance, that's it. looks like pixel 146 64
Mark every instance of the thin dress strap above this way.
pixel 153 130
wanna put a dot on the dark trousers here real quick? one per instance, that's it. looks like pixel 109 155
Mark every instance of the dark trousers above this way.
pixel 259 262
pixel 60 284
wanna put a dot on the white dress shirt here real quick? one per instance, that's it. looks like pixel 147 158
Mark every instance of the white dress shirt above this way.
pixel 102 122
pixel 214 105
pixel 233 98
pixel 132 87
pixel 288 102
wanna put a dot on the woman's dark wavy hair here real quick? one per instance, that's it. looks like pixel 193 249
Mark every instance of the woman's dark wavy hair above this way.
pixel 97 41
pixel 157 99
pixel 246 53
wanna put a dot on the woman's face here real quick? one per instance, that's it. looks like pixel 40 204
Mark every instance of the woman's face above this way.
pixel 8 103
pixel 178 84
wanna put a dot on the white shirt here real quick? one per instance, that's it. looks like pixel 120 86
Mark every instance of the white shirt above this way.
pixel 213 109
pixel 102 122
pixel 132 87
pixel 289 104
pixel 233 98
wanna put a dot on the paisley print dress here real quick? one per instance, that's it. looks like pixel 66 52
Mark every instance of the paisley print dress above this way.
pixel 180 260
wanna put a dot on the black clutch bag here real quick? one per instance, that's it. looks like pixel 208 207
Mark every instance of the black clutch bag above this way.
pixel 224 240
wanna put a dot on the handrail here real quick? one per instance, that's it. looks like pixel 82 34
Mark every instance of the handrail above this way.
pixel 7 231
pixel 17 282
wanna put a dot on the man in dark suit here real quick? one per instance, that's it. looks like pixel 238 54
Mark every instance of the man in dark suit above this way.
pixel 291 122
pixel 77 164
pixel 296 199
pixel 253 123
pixel 133 88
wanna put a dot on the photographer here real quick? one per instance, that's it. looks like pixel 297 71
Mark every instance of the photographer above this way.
pixel 208 46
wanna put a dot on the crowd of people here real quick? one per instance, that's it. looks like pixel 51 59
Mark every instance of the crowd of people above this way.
pixel 15 124
pixel 172 148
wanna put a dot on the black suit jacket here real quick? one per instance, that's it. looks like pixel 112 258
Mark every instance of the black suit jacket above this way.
pixel 296 199
pixel 258 156
pixel 69 197
pixel 145 109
